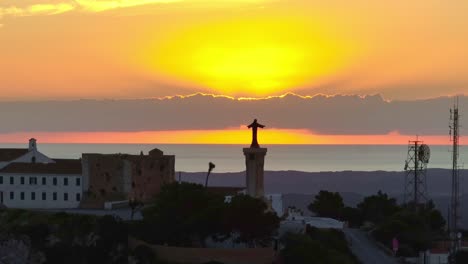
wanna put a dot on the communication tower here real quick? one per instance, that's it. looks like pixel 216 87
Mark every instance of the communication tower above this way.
pixel 415 179
pixel 454 216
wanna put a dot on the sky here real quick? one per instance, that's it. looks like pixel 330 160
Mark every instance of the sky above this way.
pixel 72 50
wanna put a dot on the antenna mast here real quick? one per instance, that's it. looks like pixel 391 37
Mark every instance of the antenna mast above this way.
pixel 455 197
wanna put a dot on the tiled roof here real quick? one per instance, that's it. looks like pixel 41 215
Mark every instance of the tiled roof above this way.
pixel 61 166
pixel 9 154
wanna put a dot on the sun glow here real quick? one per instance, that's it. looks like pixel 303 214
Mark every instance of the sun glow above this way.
pixel 247 56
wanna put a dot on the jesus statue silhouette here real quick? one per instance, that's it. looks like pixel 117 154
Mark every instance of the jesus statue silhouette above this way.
pixel 255 127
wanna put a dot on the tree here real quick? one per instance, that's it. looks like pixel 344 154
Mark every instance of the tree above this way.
pixel 377 208
pixel 113 239
pixel 144 255
pixel 184 213
pixel 301 249
pixel 411 228
pixel 250 221
pixel 352 215
pixel 324 247
pixel 327 204
pixel 434 217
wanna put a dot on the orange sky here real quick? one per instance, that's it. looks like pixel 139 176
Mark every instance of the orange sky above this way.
pixel 68 49
pixel 125 49
pixel 228 136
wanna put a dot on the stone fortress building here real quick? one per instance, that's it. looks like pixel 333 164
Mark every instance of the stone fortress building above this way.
pixel 117 177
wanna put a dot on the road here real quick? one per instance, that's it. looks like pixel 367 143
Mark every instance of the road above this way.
pixel 366 250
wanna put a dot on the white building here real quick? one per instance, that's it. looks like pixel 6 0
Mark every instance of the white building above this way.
pixel 296 220
pixel 276 202
pixel 29 179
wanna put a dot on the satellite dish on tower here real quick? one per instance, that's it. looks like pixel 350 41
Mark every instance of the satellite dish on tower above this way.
pixel 424 153
pixel 415 179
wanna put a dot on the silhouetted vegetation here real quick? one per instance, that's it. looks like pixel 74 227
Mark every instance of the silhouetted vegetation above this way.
pixel 377 208
pixel 186 214
pixel 416 230
pixel 183 215
pixel 325 246
pixel 327 204
pixel 249 220
pixel 353 216
pixel 144 255
pixel 67 238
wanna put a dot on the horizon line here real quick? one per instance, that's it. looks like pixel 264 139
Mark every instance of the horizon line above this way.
pixel 233 136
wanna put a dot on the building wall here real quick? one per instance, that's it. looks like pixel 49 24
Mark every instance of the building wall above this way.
pixel 276 203
pixel 438 259
pixel 116 177
pixel 149 173
pixel 72 189
pixel 103 179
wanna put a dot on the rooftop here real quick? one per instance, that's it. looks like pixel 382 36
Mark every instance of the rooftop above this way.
pixel 154 153
pixel 61 166
pixel 9 154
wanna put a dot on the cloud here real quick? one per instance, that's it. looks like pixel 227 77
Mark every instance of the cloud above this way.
pixel 66 6
pixel 98 6
pixel 36 9
pixel 331 115
pixel 47 8
pixel 51 9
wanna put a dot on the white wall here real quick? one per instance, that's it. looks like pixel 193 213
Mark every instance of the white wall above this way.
pixel 72 189
pixel 438 259
pixel 276 201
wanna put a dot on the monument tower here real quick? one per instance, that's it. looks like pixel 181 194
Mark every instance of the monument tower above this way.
pixel 254 162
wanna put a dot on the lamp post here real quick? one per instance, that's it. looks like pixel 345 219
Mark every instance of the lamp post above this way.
pixel 211 166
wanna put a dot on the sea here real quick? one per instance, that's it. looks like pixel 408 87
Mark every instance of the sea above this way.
pixel 230 158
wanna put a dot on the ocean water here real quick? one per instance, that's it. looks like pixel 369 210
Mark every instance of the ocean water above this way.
pixel 230 158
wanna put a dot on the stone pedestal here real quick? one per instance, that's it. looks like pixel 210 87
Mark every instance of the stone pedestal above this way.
pixel 254 162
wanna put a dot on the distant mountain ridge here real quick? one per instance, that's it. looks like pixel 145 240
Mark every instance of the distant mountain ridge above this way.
pixel 361 182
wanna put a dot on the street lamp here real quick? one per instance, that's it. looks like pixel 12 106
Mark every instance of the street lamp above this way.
pixel 211 166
